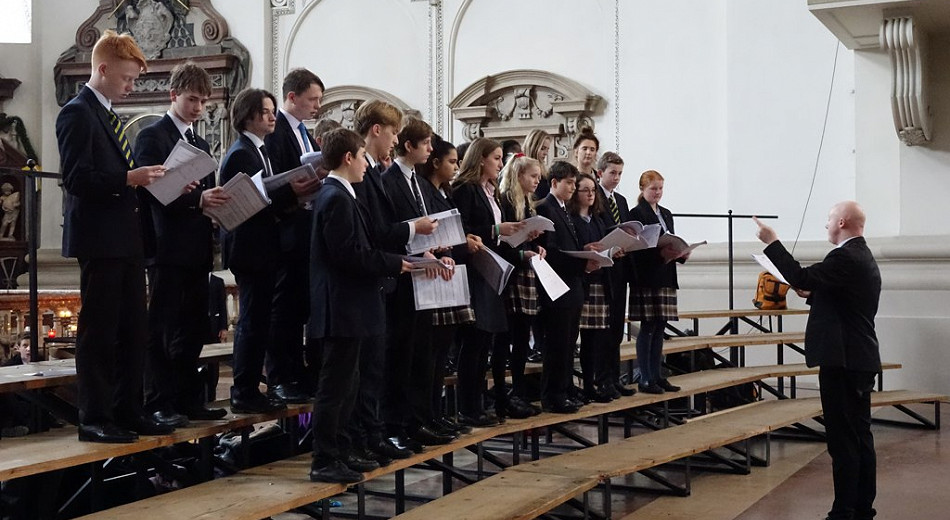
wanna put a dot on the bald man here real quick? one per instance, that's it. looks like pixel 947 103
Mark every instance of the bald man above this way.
pixel 843 291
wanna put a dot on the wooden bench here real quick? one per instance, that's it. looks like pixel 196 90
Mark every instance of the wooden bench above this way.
pixel 61 372
pixel 61 448
pixel 532 489
pixel 283 485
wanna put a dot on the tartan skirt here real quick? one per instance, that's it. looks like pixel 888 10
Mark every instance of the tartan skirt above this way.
pixel 521 295
pixel 650 304
pixel 453 315
pixel 595 311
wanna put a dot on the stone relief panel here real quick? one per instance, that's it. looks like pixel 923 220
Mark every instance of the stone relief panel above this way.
pixel 510 104
pixel 340 103
pixel 169 32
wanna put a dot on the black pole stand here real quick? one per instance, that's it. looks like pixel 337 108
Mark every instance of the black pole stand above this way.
pixel 33 233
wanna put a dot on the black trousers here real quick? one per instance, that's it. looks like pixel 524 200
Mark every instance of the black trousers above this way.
pixel 178 302
pixel 608 369
pixel 285 361
pixel 472 364
pixel 336 395
pixel 409 368
pixel 515 358
pixel 593 351
pixel 365 427
pixel 846 406
pixel 110 343
pixel 561 329
pixel 252 334
pixel 443 340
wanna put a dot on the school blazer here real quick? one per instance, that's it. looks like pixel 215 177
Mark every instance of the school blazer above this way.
pixel 254 245
pixel 293 221
pixel 478 218
pixel 345 298
pixel 102 213
pixel 845 290
pixel 390 234
pixel 570 269
pixel 622 271
pixel 183 235
pixel 649 268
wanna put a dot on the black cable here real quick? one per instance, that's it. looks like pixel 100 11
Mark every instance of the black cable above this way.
pixel 821 143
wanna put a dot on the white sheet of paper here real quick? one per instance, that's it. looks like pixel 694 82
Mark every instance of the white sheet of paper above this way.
pixel 493 268
pixel 532 224
pixel 248 197
pixel 448 233
pixel 649 233
pixel 184 165
pixel 305 170
pixel 603 258
pixel 437 293
pixel 767 264
pixel 623 241
pixel 553 285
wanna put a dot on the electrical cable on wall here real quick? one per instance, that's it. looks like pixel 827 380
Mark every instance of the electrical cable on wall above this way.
pixel 821 143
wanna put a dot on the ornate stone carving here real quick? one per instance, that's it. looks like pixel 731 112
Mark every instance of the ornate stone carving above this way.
pixel 510 104
pixel 166 32
pixel 910 99
pixel 340 103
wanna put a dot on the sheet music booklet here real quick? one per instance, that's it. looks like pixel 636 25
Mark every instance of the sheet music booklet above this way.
pixel 184 165
pixel 437 293
pixel 248 197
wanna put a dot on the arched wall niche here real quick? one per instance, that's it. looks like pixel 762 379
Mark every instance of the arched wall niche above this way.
pixel 510 104
pixel 340 103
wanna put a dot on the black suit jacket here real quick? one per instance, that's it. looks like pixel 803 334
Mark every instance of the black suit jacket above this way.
pixel 389 233
pixel 255 243
pixel 622 271
pixel 478 218
pixel 182 233
pixel 345 300
pixel 399 192
pixel 593 231
pixel 845 290
pixel 284 152
pixel 649 268
pixel 102 212
pixel 217 309
pixel 570 269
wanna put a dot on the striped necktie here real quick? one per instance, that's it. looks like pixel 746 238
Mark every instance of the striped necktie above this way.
pixel 614 210
pixel 119 130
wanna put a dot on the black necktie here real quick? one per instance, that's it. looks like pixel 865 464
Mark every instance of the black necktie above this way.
pixel 570 223
pixel 415 193
pixel 190 137
pixel 119 130
pixel 267 170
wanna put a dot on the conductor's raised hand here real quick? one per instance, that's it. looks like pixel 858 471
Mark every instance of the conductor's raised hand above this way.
pixel 765 233
pixel 144 175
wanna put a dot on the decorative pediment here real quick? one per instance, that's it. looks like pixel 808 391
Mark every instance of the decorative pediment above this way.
pixel 340 103
pixel 510 104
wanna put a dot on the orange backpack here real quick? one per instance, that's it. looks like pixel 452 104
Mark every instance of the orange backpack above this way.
pixel 770 293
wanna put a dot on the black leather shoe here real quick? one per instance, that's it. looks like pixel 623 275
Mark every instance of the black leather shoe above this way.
pixel 143 425
pixel 477 421
pixel 255 404
pixel 597 396
pixel 666 385
pixel 108 433
pixel 407 443
pixel 650 388
pixel 625 390
pixel 379 458
pixel 336 472
pixel 576 402
pixel 428 437
pixel 611 391
pixel 387 448
pixel 442 429
pixel 449 424
pixel 360 464
pixel 518 409
pixel 288 393
pixel 169 417
pixel 565 406
pixel 206 414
